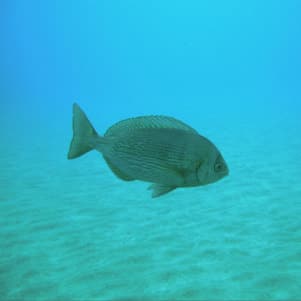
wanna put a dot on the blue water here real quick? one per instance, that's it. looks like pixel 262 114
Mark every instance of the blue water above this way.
pixel 70 230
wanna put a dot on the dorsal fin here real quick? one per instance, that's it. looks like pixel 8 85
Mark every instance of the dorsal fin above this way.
pixel 153 121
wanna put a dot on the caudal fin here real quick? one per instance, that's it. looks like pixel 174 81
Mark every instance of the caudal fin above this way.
pixel 83 134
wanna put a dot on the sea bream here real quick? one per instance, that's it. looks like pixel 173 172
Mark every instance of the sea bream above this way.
pixel 157 149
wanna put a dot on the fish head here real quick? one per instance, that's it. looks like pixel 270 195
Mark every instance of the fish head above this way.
pixel 214 169
pixel 220 167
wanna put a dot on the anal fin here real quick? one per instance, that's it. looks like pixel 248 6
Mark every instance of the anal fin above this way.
pixel 160 189
pixel 117 171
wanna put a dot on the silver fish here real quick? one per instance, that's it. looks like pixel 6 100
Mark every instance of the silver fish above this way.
pixel 157 149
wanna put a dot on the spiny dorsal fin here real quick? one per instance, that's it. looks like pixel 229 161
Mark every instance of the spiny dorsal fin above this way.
pixel 153 121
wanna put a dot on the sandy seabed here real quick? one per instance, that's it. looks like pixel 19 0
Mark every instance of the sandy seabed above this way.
pixel 69 230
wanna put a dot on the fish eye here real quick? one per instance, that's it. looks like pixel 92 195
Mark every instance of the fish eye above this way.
pixel 218 167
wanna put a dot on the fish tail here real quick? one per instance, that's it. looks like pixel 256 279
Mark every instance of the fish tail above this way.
pixel 84 134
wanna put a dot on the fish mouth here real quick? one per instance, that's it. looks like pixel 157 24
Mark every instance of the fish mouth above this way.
pixel 226 173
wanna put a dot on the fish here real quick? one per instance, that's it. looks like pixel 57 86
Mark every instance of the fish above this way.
pixel 160 150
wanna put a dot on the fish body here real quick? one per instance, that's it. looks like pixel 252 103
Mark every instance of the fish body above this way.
pixel 157 149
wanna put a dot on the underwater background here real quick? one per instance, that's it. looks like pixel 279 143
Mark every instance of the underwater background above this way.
pixel 70 230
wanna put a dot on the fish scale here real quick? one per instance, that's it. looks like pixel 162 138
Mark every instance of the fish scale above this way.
pixel 160 144
pixel 157 149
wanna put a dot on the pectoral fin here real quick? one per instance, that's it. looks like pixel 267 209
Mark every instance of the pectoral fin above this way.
pixel 160 189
